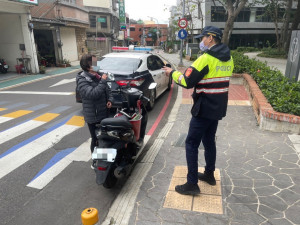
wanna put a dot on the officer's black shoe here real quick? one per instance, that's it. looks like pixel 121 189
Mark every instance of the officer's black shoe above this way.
pixel 208 177
pixel 188 189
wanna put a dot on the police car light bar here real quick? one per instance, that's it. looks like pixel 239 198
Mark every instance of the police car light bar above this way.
pixel 145 49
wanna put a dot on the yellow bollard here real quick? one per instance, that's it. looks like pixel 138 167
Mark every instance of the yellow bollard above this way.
pixel 89 216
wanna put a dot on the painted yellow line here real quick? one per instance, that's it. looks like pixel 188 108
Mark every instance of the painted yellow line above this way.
pixel 76 121
pixel 17 114
pixel 2 109
pixel 46 117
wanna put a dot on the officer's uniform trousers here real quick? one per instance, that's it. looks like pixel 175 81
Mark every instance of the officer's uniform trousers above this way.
pixel 201 129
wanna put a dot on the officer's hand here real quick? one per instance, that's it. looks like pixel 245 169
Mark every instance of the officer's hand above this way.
pixel 167 70
pixel 108 105
pixel 104 76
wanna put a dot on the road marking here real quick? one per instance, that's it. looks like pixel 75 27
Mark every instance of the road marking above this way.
pixel 14 115
pixel 2 109
pixel 123 205
pixel 36 93
pixel 23 152
pixel 76 121
pixel 25 127
pixel 64 81
pixel 59 162
pixel 162 113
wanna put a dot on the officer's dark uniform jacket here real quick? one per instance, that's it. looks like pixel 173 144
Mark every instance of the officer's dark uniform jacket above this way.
pixel 209 75
pixel 94 94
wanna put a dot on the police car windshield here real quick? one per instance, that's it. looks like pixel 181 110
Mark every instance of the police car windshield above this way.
pixel 119 64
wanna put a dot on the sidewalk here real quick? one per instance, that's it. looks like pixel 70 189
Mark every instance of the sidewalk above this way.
pixel 12 78
pixel 258 173
pixel 279 64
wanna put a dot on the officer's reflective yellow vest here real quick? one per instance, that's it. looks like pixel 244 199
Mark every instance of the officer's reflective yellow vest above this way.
pixel 209 77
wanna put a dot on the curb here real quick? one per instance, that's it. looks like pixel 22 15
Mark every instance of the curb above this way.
pixel 38 79
pixel 267 117
pixel 122 207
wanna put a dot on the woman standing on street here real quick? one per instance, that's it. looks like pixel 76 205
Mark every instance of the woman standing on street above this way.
pixel 95 94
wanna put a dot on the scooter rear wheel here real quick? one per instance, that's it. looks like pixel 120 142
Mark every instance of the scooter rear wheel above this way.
pixel 111 180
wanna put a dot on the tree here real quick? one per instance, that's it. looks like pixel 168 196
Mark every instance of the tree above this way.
pixel 295 25
pixel 233 8
pixel 152 33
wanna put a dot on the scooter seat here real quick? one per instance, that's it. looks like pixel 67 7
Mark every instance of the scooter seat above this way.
pixel 116 122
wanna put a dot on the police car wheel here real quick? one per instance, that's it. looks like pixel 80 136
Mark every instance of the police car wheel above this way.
pixel 152 96
pixel 169 84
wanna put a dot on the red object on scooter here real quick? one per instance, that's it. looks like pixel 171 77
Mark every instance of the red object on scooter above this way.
pixel 19 68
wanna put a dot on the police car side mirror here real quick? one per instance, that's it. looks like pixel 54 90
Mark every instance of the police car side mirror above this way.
pixel 168 65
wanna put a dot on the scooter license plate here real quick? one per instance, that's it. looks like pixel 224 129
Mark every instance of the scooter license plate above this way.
pixel 5 66
pixel 106 154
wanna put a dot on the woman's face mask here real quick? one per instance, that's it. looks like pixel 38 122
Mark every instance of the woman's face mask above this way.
pixel 95 68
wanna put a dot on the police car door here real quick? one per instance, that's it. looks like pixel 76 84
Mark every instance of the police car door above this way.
pixel 156 73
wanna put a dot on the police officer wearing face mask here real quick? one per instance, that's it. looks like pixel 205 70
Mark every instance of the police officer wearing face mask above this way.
pixel 95 94
pixel 209 76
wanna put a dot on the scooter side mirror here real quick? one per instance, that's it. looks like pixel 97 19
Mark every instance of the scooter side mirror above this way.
pixel 152 86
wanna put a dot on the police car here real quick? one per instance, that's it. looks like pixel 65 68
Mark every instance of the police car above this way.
pixel 138 68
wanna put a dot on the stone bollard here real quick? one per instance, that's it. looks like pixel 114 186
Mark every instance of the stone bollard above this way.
pixel 89 216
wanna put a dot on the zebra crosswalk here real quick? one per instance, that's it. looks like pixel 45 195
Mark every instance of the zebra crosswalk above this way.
pixel 48 128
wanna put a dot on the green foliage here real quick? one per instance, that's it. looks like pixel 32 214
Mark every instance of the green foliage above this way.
pixel 247 49
pixel 42 69
pixel 273 53
pixel 282 94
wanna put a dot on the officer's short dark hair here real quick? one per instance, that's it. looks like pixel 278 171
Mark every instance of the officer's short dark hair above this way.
pixel 86 62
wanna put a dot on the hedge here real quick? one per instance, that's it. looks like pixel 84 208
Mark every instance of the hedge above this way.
pixel 282 93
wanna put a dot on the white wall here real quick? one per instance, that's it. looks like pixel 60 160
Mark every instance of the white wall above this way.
pixel 10 38
pixel 101 3
pixel 69 48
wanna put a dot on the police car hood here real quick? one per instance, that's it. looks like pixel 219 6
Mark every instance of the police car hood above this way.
pixel 220 52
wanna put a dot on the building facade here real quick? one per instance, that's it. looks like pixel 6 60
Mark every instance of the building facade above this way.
pixel 141 34
pixel 103 27
pixel 17 43
pixel 59 28
pixel 251 28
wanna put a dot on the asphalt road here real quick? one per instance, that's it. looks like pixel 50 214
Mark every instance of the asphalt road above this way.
pixel 45 174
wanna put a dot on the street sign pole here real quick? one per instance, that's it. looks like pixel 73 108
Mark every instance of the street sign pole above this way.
pixel 181 44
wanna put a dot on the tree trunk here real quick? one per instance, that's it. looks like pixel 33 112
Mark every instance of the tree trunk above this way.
pixel 285 26
pixel 228 29
pixel 232 14
pixel 295 25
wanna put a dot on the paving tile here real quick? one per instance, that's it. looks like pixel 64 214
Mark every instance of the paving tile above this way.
pixel 177 201
pixel 181 171
pixel 187 101
pixel 208 204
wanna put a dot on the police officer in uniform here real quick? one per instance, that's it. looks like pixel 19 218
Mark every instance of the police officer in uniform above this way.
pixel 209 76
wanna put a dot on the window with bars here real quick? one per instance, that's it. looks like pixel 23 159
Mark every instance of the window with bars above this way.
pixel 70 1
pixel 92 19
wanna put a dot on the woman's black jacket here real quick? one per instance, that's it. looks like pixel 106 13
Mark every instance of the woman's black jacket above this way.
pixel 94 94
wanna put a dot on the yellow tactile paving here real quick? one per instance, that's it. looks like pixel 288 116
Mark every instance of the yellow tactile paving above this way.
pixel 178 201
pixel 46 117
pixel 17 114
pixel 2 109
pixel 209 201
pixel 208 204
pixel 187 101
pixel 238 102
pixel 181 171
pixel 76 121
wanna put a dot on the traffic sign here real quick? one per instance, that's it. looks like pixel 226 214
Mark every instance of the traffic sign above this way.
pixel 182 34
pixel 182 23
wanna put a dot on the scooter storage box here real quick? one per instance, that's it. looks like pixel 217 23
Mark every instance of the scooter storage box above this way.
pixel 132 96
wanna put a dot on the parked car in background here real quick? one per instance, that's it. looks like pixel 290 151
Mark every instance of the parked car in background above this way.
pixel 136 69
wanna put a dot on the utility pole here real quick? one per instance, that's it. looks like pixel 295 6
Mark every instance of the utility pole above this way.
pixel 181 44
